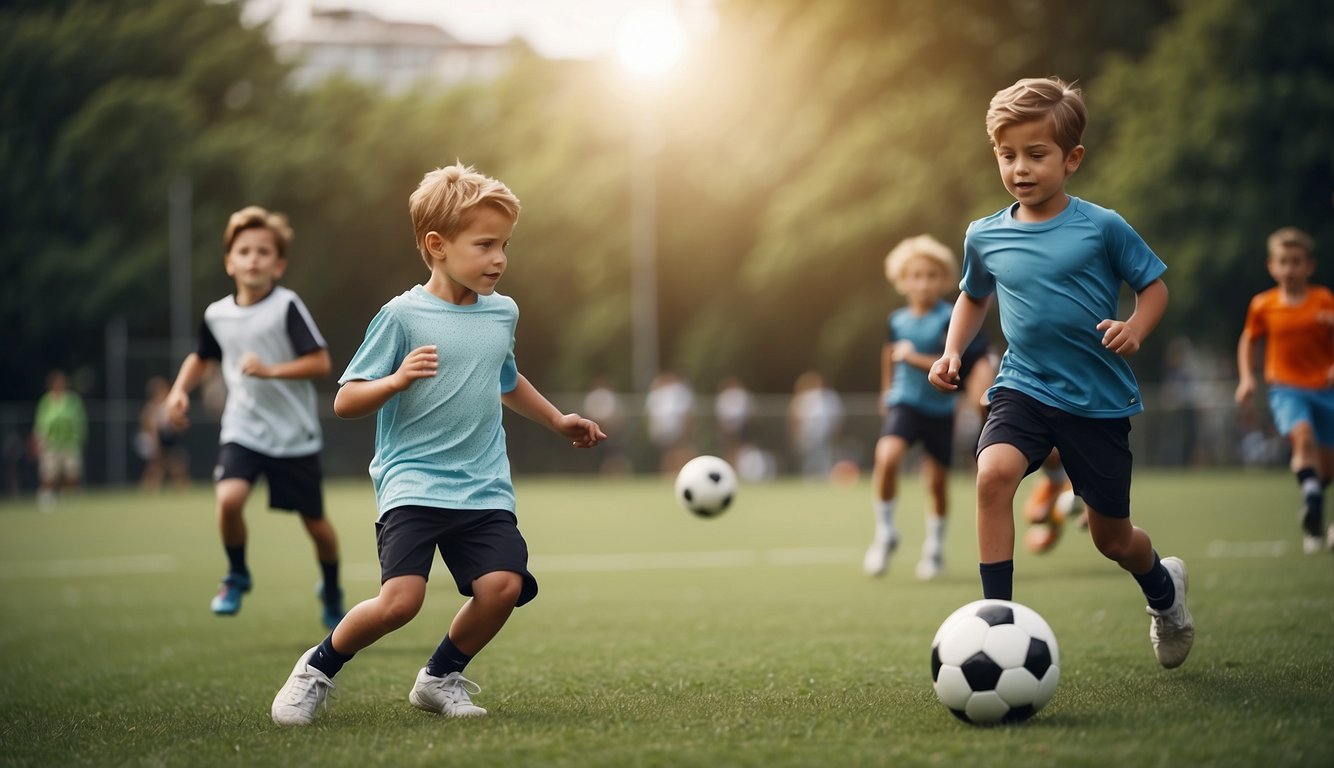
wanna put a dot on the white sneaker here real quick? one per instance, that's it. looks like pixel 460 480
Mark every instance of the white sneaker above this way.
pixel 305 690
pixel 929 567
pixel 877 555
pixel 1172 631
pixel 446 695
pixel 1312 545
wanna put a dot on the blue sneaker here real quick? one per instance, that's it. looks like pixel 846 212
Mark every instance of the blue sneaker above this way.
pixel 228 600
pixel 333 608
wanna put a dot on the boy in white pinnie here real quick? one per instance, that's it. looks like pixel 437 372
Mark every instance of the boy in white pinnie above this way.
pixel 269 349
pixel 436 366
pixel 1056 265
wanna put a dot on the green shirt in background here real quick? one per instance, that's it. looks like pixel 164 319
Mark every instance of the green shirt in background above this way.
pixel 61 423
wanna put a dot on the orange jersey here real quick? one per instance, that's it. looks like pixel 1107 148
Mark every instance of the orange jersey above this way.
pixel 1299 348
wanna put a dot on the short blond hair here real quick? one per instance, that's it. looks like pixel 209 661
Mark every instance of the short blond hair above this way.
pixel 255 217
pixel 1040 98
pixel 919 247
pixel 446 197
pixel 1290 237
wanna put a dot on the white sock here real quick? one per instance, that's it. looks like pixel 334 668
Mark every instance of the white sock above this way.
pixel 1056 474
pixel 935 536
pixel 884 519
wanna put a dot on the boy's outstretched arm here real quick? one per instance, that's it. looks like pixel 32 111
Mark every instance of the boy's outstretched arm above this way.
pixel 1245 367
pixel 178 399
pixel 1125 337
pixel 363 397
pixel 965 322
pixel 526 401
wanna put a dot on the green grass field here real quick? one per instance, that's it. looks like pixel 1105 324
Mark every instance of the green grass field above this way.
pixel 659 639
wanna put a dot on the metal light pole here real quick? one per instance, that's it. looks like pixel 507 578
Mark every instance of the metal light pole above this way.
pixel 650 43
pixel 644 252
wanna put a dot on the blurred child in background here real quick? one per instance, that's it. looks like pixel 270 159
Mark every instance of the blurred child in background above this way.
pixel 269 349
pixel 1295 322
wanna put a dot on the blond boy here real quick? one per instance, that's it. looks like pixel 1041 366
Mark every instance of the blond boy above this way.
pixel 436 366
pixel 921 269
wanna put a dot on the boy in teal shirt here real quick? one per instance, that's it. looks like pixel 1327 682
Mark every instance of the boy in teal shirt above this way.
pixel 435 367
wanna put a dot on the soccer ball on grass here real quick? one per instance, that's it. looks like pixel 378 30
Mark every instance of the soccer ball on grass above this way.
pixel 706 486
pixel 994 661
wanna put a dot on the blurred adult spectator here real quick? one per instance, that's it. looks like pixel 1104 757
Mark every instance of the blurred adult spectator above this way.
pixel 160 441
pixel 670 407
pixel 603 404
pixel 815 421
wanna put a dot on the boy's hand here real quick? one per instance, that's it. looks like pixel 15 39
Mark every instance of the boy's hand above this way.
pixel 1245 388
pixel 583 433
pixel 901 350
pixel 177 406
pixel 1120 337
pixel 944 373
pixel 421 363
pixel 252 365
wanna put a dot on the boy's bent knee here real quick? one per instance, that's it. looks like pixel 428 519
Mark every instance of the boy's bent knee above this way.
pixel 498 586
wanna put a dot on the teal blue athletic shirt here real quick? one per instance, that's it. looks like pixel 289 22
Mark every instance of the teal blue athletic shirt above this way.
pixel 440 443
pixel 927 334
pixel 1054 282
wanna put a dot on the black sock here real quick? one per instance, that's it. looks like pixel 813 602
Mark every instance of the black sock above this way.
pixel 447 658
pixel 326 659
pixel 1314 496
pixel 1157 585
pixel 997 580
pixel 330 571
pixel 236 559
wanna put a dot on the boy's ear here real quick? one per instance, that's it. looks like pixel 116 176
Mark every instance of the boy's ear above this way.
pixel 435 244
pixel 1073 159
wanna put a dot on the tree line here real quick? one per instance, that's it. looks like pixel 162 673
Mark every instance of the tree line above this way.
pixel 795 145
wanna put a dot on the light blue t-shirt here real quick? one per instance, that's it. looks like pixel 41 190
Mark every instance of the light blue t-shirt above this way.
pixel 927 334
pixel 440 443
pixel 1055 281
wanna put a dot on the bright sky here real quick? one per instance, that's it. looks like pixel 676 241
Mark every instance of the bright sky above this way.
pixel 556 28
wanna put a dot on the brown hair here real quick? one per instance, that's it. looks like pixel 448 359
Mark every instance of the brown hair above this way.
pixel 255 217
pixel 1038 98
pixel 1290 237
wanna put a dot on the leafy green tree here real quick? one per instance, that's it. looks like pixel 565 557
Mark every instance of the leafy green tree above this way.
pixel 102 105
pixel 1217 137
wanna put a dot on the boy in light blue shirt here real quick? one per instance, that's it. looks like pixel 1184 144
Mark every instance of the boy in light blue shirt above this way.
pixel 435 367
pixel 1056 264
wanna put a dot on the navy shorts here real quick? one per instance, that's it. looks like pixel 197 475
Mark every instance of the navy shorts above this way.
pixel 294 483
pixel 910 424
pixel 472 543
pixel 1095 452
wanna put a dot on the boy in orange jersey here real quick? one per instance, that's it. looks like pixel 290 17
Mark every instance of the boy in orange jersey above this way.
pixel 1296 320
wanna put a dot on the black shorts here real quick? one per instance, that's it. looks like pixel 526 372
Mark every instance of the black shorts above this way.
pixel 294 483
pixel 472 543
pixel 1095 452
pixel 935 432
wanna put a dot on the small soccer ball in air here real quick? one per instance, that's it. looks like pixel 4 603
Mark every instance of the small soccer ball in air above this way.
pixel 994 661
pixel 706 486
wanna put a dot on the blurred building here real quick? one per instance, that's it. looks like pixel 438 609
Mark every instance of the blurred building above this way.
pixel 323 42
